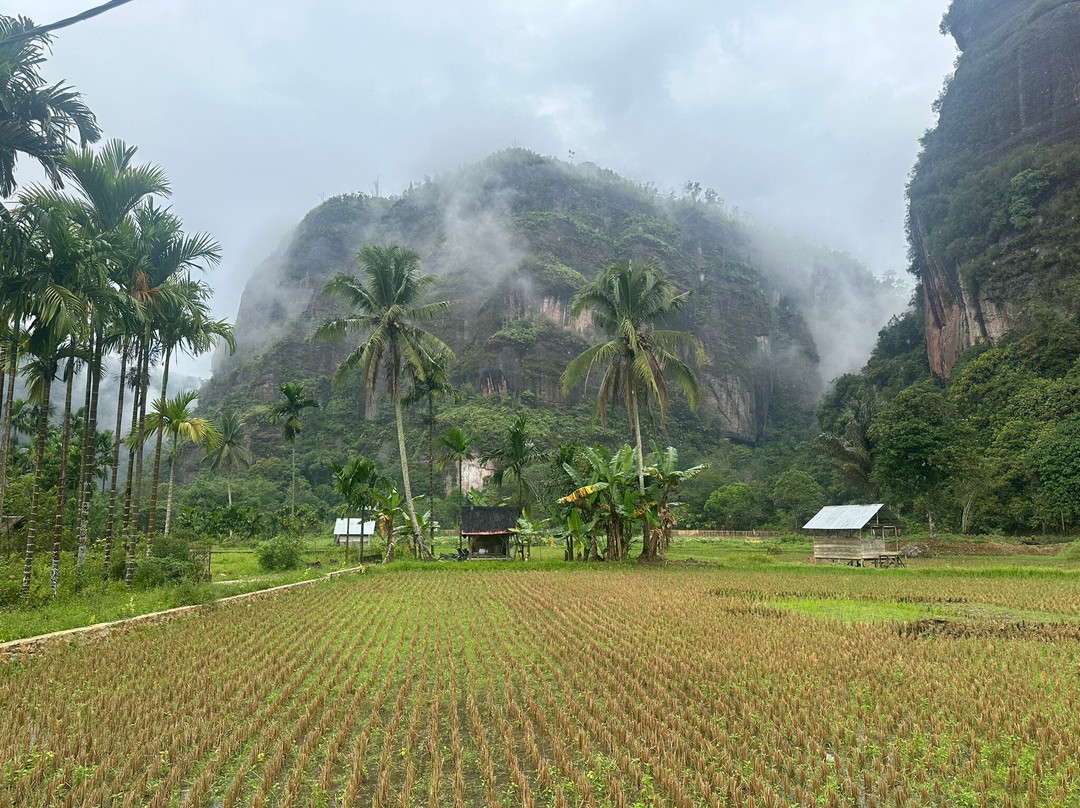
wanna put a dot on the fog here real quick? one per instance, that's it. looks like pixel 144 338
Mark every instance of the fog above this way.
pixel 806 115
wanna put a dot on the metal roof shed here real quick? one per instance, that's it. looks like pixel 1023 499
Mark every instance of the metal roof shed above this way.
pixel 855 534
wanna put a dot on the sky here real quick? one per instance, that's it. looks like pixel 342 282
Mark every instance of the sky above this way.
pixel 805 114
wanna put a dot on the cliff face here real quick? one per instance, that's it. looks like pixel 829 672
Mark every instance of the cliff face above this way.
pixel 992 198
pixel 513 238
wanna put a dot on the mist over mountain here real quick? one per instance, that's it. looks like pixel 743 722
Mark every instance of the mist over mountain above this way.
pixel 513 238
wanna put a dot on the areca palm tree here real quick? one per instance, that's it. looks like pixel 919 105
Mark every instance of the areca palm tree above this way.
pixel 356 482
pixel 174 417
pixel 40 371
pixel 288 412
pixel 433 385
pixel 229 455
pixel 456 445
pixel 37 119
pixel 185 324
pixel 513 456
pixel 637 360
pixel 110 186
pixel 61 487
pixel 389 311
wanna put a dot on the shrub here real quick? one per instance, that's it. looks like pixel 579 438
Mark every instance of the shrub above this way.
pixel 156 571
pixel 280 553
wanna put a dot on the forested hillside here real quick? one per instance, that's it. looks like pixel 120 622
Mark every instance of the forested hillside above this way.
pixel 512 239
pixel 968 407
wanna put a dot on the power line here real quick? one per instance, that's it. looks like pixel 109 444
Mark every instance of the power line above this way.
pixel 40 30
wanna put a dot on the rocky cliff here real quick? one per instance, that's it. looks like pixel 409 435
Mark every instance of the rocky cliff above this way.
pixel 994 198
pixel 515 236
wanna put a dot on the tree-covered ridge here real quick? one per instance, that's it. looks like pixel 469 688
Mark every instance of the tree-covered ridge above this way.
pixel 515 236
pixel 995 447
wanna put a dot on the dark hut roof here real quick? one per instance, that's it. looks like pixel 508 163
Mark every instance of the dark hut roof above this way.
pixel 487 521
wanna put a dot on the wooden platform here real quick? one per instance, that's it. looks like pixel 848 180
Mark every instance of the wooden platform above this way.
pixel 856 552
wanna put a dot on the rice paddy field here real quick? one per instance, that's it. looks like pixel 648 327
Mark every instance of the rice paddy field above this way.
pixel 489 686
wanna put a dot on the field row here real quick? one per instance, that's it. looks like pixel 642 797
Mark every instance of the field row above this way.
pixel 565 688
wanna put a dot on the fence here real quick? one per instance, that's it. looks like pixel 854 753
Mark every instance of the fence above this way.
pixel 727 534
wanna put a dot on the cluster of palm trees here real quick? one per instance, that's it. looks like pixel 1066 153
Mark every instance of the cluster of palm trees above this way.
pixel 98 279
pixel 88 276
pixel 637 363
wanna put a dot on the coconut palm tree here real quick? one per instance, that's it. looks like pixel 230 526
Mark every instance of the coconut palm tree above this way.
pixel 288 411
pixel 626 302
pixel 229 455
pixel 388 310
pixel 175 417
pixel 37 119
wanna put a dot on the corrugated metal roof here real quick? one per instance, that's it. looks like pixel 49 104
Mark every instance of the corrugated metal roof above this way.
pixel 843 517
pixel 353 528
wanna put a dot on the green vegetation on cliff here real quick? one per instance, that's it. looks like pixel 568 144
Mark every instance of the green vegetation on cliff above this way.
pixel 514 238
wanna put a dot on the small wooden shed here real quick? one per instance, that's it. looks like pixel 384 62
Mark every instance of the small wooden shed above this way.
pixel 856 535
pixel 487 531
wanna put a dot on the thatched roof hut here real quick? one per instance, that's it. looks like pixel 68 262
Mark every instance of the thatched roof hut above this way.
pixel 488 530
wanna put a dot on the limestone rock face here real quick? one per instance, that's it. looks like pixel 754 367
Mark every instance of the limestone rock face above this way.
pixel 975 248
pixel 512 239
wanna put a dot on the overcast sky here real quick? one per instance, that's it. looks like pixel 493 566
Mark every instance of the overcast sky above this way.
pixel 804 113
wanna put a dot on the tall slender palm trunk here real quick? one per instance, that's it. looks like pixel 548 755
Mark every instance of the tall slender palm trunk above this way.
pixel 461 493
pixel 157 451
pixel 140 440
pixel 35 497
pixel 5 440
pixel 292 491
pixel 110 523
pixel 86 479
pixel 648 540
pixel 168 499
pixel 130 518
pixel 421 547
pixel 61 488
pixel 126 520
pixel 640 456
pixel 431 469
pixel 85 435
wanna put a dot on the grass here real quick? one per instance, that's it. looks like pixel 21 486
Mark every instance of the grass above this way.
pixel 233 572
pixel 853 611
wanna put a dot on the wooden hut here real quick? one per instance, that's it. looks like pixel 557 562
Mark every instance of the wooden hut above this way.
pixel 856 534
pixel 487 531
